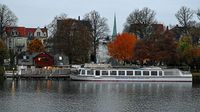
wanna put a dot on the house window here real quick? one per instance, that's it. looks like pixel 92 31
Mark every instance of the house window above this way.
pixel 38 34
pixel 30 34
pixel 24 57
pixel 19 50
pixel 14 33
pixel 43 59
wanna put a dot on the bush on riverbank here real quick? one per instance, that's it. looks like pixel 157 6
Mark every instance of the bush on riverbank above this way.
pixel 2 71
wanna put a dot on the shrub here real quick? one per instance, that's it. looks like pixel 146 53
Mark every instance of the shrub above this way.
pixel 2 71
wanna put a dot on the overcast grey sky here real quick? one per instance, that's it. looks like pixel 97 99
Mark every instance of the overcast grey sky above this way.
pixel 34 13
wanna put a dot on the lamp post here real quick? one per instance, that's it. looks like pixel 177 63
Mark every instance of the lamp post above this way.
pixel 13 71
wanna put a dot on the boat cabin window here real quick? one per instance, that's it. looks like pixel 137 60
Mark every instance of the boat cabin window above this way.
pixel 79 71
pixel 121 72
pixel 145 72
pixel 83 72
pixel 154 73
pixel 167 73
pixel 129 72
pixel 90 72
pixel 104 72
pixel 97 72
pixel 160 73
pixel 113 72
pixel 138 73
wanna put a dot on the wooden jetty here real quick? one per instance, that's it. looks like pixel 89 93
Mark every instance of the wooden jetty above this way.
pixel 41 74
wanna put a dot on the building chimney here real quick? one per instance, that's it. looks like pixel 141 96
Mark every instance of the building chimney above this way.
pixel 79 18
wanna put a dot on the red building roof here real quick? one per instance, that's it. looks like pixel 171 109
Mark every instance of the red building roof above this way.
pixel 22 31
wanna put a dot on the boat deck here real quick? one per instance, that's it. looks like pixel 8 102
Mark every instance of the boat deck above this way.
pixel 128 74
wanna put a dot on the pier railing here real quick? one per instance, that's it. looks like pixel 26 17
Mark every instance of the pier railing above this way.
pixel 41 71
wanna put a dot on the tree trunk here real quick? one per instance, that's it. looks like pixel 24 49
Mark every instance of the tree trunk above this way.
pixel 95 53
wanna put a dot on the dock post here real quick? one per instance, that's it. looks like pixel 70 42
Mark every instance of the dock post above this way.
pixel 195 78
pixel 13 73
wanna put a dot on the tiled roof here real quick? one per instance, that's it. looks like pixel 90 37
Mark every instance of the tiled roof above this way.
pixel 22 31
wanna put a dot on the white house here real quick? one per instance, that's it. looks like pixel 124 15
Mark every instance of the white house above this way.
pixel 18 37
pixel 102 51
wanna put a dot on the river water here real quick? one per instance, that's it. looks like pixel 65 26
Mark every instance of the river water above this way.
pixel 74 96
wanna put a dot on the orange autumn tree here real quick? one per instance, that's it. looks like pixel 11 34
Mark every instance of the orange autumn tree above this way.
pixel 122 47
pixel 35 45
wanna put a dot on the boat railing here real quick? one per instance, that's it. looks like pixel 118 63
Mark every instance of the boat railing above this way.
pixel 89 65
pixel 185 73
pixel 41 71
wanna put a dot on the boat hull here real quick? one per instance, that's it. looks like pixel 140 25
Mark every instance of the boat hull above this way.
pixel 133 79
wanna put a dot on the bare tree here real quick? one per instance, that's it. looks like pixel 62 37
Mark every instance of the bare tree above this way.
pixel 7 18
pixel 3 52
pixel 52 27
pixel 185 16
pixel 99 28
pixel 73 37
pixel 145 16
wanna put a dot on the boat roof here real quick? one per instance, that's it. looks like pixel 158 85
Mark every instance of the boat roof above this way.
pixel 105 68
pixel 91 65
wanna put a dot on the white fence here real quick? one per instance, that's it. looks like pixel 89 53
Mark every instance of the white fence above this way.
pixel 41 71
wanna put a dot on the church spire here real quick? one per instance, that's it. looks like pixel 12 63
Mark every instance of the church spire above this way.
pixel 114 27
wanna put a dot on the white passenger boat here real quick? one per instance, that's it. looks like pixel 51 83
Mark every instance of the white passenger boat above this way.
pixel 152 74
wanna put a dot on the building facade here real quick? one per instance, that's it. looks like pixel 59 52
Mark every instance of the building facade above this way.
pixel 18 37
pixel 102 51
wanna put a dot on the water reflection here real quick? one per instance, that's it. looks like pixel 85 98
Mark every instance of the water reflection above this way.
pixel 54 96
pixel 147 88
pixel 38 87
pixel 13 87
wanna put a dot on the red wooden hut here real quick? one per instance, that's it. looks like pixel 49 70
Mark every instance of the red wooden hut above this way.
pixel 43 60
